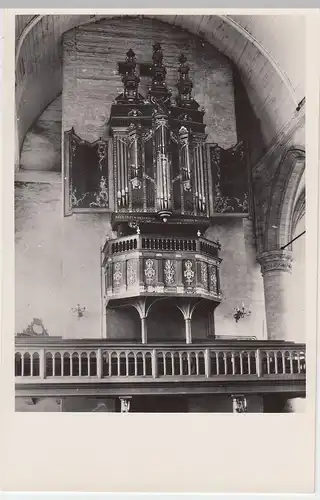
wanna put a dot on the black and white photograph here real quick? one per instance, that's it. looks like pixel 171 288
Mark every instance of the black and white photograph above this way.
pixel 160 213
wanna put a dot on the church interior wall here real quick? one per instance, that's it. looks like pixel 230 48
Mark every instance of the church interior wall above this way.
pixel 58 266
pixel 58 258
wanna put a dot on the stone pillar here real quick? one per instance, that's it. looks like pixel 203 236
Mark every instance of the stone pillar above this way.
pixel 276 268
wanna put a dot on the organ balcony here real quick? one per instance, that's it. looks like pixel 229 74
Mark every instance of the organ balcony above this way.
pixel 161 266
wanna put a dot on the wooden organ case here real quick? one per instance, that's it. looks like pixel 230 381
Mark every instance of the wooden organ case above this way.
pixel 162 182
pixel 159 157
pixel 161 200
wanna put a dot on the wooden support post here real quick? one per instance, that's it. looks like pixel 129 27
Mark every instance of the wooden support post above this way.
pixel 188 330
pixel 99 363
pixel 144 336
pixel 42 369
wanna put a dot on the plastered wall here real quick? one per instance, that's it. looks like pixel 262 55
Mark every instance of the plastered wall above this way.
pixel 57 262
pixel 241 279
pixel 58 266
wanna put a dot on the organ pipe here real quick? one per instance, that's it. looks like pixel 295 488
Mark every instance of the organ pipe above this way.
pixel 164 178
pixel 122 170
pixel 169 178
pixel 185 158
pixel 200 192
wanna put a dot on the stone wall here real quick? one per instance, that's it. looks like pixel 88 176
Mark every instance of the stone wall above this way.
pixel 91 82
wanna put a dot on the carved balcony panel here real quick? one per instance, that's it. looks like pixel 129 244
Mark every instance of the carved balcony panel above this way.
pixel 145 264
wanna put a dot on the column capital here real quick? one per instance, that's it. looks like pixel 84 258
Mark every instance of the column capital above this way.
pixel 275 260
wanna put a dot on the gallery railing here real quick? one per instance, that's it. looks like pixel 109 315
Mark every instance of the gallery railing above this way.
pixel 150 242
pixel 122 362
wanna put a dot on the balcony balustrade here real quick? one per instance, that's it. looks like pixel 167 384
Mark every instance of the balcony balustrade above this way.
pixel 152 265
pixel 149 242
pixel 94 361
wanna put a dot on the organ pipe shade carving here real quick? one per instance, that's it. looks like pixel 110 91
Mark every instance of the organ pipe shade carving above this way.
pixel 87 186
pixel 229 179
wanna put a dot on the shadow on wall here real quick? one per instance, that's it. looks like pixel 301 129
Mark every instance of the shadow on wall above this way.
pixel 41 149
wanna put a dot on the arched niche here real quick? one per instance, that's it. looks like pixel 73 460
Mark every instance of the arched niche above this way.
pixel 165 322
pixel 123 323
pixel 202 321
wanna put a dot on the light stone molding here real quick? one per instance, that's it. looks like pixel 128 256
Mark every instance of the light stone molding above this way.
pixel 275 260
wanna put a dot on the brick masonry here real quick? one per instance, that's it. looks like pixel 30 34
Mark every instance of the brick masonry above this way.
pixel 91 82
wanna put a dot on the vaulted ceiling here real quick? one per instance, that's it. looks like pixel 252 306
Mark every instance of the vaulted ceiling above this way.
pixel 269 51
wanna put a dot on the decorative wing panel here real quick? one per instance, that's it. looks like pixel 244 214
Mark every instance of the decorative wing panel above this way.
pixel 229 180
pixel 87 186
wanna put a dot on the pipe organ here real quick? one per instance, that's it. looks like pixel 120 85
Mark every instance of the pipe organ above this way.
pixel 160 170
pixel 161 193
pixel 162 183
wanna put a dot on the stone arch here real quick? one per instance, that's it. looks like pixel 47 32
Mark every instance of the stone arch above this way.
pixel 37 87
pixel 281 203
pixel 298 211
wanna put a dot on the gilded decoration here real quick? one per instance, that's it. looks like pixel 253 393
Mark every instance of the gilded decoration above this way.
pixel 239 404
pixel 76 199
pixel 204 274
pixel 188 272
pixel 87 181
pixel 149 271
pixel 102 154
pixel 230 179
pixel 169 272
pixel 131 272
pixel 213 279
pixel 102 196
pixel 117 275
